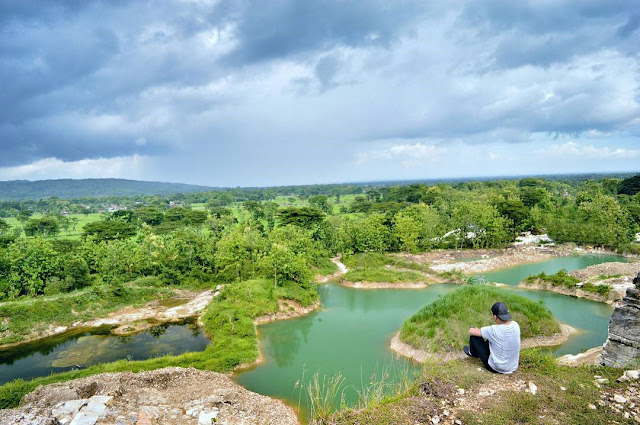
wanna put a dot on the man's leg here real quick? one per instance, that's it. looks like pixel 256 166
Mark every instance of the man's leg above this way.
pixel 480 348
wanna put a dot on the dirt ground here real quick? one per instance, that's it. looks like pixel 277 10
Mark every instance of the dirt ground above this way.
pixel 165 396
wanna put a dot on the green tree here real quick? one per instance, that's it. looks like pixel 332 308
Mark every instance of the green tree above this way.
pixel 44 226
pixel 4 227
pixel 106 230
pixel 630 186
pixel 417 227
pixel 237 252
pixel 321 202
pixel 299 216
pixel 33 261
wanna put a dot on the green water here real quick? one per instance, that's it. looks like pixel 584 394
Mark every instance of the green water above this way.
pixel 351 333
pixel 84 348
pixel 515 275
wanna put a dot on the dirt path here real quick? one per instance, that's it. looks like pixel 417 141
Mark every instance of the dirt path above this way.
pixel 342 269
pixel 165 396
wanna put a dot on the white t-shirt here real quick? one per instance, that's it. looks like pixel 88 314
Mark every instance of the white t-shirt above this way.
pixel 504 343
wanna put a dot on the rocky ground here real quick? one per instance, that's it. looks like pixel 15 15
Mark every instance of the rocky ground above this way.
pixel 442 402
pixel 488 260
pixel 165 396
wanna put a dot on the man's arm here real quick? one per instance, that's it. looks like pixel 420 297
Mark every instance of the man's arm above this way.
pixel 475 332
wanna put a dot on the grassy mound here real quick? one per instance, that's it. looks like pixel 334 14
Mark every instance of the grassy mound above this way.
pixel 443 325
pixel 377 267
pixel 228 320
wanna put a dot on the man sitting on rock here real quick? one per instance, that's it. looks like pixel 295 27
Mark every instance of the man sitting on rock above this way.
pixel 498 346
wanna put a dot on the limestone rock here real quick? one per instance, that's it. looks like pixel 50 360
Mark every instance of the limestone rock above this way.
pixel 623 345
pixel 170 396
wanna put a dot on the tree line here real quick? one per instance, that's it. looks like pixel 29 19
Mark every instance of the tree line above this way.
pixel 232 242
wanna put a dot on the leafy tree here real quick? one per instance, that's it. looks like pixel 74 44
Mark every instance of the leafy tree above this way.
pixel 24 216
pixel 44 226
pixel 630 186
pixel 237 252
pixel 321 202
pixel 283 264
pixel 4 227
pixel 515 211
pixel 360 204
pixel 32 262
pixel 152 216
pixel 417 227
pixel 107 230
pixel 365 234
pixel 299 216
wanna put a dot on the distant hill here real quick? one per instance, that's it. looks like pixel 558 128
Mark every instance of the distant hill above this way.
pixel 71 188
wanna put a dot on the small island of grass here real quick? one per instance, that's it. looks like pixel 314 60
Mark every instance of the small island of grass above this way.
pixel 442 326
pixel 377 270
pixel 564 279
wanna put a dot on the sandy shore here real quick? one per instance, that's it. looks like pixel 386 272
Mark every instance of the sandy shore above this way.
pixel 403 349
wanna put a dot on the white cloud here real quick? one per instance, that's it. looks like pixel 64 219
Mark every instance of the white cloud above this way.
pixel 589 151
pixel 53 168
pixel 410 154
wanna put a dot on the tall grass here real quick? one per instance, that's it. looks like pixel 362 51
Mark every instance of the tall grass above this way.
pixel 391 381
pixel 327 394
pixel 323 395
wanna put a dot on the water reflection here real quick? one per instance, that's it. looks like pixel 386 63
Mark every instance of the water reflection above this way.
pixel 82 348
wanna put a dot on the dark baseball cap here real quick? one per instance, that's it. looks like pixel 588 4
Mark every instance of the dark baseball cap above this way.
pixel 501 310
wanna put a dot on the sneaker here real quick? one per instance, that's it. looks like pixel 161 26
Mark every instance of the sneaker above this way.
pixel 467 350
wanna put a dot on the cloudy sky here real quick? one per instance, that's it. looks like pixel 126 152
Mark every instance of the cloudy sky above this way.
pixel 269 92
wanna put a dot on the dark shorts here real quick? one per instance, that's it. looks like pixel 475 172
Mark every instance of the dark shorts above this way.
pixel 480 348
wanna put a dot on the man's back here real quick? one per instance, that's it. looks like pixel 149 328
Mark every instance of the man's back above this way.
pixel 504 341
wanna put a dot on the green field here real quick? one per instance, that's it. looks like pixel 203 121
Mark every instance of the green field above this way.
pixel 83 219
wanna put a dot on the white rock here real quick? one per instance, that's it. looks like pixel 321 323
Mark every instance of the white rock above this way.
pixel 67 410
pixel 458 422
pixel 563 389
pixel 434 420
pixel 630 375
pixel 461 391
pixel 533 388
pixel 601 380
pixel 592 407
pixel 193 412
pixel 207 417
pixel 619 399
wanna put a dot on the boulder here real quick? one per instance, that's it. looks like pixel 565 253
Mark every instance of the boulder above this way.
pixel 623 345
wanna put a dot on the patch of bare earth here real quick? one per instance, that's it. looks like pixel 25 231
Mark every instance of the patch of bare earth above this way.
pixel 287 309
pixel 493 259
pixel 403 349
pixel 166 396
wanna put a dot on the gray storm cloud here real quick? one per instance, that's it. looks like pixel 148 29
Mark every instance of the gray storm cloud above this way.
pixel 264 85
